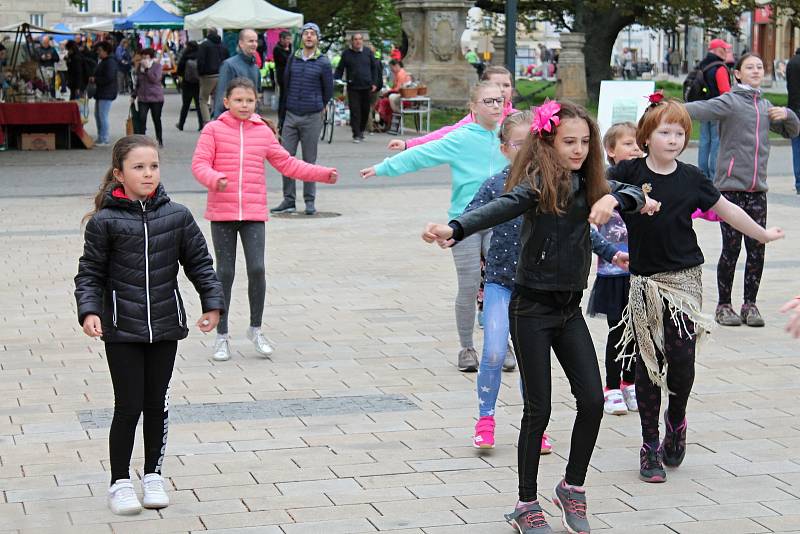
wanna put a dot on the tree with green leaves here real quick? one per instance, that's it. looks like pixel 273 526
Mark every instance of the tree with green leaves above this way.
pixel 602 20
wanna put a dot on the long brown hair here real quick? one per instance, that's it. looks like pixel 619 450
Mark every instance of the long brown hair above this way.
pixel 539 164
pixel 119 153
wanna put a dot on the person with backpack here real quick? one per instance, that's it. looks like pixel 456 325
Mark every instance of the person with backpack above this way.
pixel 710 79
pixel 190 84
pixel 210 55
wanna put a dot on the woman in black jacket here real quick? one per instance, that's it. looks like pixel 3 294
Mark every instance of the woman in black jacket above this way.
pixel 190 84
pixel 76 77
pixel 127 292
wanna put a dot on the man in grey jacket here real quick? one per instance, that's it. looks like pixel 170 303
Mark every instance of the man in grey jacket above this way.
pixel 242 65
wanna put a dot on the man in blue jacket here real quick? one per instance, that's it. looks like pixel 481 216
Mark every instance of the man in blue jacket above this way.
pixel 308 81
pixel 242 65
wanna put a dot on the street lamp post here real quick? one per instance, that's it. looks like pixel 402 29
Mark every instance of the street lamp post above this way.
pixel 511 36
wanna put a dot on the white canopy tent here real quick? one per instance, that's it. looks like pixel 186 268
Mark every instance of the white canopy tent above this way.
pixel 237 14
pixel 99 26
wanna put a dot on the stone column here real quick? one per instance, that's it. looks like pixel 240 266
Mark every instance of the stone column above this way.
pixel 434 29
pixel 572 69
pixel 499 56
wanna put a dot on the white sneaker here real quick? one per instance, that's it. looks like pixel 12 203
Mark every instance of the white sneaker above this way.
pixel 154 494
pixel 260 341
pixel 614 403
pixel 222 349
pixel 122 499
pixel 629 394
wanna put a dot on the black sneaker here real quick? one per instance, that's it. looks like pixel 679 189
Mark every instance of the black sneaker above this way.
pixel 650 467
pixel 529 519
pixel 674 444
pixel 284 207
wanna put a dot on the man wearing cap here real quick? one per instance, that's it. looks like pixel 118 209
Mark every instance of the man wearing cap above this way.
pixel 308 81
pixel 718 81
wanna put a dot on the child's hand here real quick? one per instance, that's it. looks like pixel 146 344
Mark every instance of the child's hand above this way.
pixel 621 260
pixel 222 183
pixel 208 321
pixel 772 234
pixel 333 176
pixel 396 144
pixel 441 233
pixel 369 172
pixel 651 206
pixel 777 113
pixel 603 209
pixel 793 326
pixel 92 326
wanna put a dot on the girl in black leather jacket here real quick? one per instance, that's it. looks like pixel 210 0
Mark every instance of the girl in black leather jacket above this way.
pixel 557 182
pixel 127 292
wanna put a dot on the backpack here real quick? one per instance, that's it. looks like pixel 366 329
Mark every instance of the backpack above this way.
pixel 190 72
pixel 695 86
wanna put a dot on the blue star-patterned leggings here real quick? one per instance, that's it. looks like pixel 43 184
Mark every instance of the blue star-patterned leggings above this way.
pixel 495 345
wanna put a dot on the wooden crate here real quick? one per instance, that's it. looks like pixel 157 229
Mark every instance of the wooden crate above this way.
pixel 38 141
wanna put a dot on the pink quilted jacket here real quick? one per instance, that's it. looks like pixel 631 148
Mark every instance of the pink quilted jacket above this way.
pixel 234 149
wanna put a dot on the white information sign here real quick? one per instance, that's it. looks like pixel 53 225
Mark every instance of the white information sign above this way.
pixel 622 101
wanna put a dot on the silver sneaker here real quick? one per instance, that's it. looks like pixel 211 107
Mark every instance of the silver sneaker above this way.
pixel 510 361
pixel 263 345
pixel 468 360
pixel 222 349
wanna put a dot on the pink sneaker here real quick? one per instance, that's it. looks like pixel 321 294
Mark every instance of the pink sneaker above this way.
pixel 484 433
pixel 547 447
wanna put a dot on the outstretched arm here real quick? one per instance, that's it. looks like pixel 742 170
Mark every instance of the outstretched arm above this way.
pixel 736 217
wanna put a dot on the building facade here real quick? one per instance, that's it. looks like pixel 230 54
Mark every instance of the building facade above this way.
pixel 48 13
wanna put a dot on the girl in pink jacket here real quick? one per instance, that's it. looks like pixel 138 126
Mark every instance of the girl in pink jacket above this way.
pixel 229 162
pixel 494 74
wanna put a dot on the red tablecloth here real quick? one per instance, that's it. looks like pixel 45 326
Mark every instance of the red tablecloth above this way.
pixel 57 113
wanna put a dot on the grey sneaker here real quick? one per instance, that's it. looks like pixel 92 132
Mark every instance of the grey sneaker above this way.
pixel 572 504
pixel 310 209
pixel 284 207
pixel 726 316
pixel 468 360
pixel 510 361
pixel 529 519
pixel 263 345
pixel 222 349
pixel 751 316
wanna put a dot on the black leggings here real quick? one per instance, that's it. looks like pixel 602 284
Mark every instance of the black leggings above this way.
pixel 224 236
pixel 140 373
pixel 679 350
pixel 190 91
pixel 535 329
pixel 616 368
pixel 755 205
pixel 155 111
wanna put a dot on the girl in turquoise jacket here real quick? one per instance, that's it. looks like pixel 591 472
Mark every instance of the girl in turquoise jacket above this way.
pixel 473 154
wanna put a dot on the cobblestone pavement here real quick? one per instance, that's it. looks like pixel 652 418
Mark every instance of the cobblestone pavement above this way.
pixel 360 421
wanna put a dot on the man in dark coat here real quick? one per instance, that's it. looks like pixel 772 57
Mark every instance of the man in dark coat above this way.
pixel 363 79
pixel 209 60
pixel 280 55
pixel 105 81
pixel 793 88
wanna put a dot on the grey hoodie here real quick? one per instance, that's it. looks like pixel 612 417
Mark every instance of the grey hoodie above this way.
pixel 743 136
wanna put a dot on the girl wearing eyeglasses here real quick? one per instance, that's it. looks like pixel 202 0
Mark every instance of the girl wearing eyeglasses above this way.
pixel 473 154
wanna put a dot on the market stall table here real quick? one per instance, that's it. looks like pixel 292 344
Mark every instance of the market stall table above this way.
pixel 65 115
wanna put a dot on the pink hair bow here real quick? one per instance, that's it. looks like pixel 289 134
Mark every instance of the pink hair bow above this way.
pixel 545 117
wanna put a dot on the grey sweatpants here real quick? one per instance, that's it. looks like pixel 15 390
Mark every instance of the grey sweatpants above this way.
pixel 467 257
pixel 224 236
pixel 305 130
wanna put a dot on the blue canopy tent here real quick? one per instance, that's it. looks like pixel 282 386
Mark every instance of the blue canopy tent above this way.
pixel 150 16
pixel 60 37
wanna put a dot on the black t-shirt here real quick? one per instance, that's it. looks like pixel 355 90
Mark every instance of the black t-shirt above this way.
pixel 665 241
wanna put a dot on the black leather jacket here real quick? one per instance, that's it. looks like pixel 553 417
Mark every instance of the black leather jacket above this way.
pixel 556 250
pixel 128 274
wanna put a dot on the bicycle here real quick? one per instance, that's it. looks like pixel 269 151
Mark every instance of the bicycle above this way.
pixel 328 120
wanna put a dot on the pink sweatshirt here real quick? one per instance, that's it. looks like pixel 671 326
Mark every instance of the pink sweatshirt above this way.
pixel 508 109
pixel 235 149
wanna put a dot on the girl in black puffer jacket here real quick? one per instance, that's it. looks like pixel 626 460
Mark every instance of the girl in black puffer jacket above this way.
pixel 127 292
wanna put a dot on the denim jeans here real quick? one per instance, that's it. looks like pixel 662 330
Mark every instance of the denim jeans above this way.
pixel 708 148
pixel 101 110
pixel 495 346
pixel 796 161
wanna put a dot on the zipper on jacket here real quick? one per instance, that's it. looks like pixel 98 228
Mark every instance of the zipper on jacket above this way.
pixel 755 164
pixel 730 166
pixel 114 302
pixel 146 269
pixel 241 165
pixel 178 306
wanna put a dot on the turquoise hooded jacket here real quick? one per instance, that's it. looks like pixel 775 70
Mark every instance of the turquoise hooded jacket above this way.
pixel 471 151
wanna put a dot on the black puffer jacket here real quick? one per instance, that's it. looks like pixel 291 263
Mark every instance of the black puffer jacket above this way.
pixel 556 250
pixel 128 274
